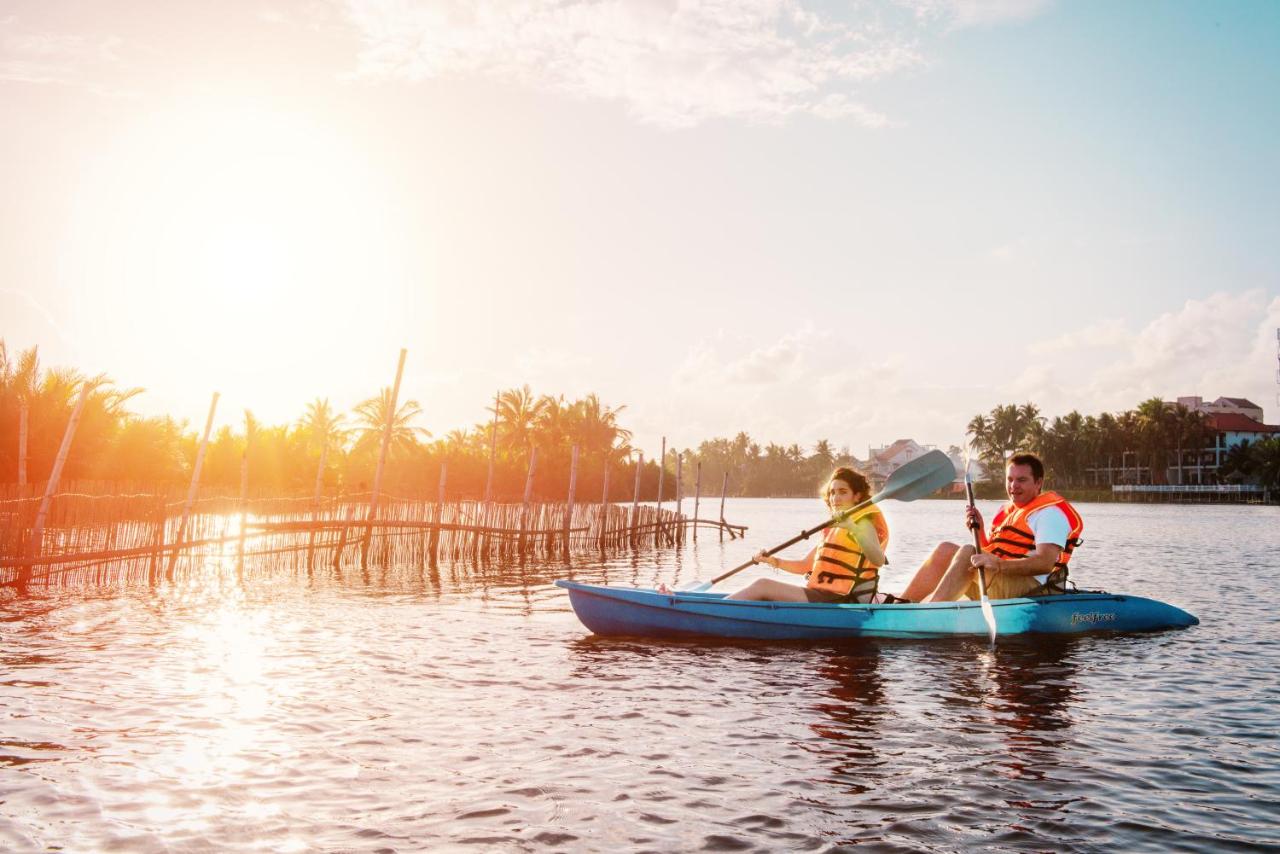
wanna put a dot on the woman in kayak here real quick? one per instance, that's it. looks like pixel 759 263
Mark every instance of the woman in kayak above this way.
pixel 845 566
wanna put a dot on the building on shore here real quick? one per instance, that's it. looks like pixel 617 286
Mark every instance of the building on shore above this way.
pixel 1229 422
pixel 882 462
pixel 1223 406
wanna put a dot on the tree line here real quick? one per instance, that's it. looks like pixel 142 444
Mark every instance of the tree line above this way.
pixel 1155 442
pixel 340 449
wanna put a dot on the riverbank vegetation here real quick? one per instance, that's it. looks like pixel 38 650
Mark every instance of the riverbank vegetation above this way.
pixel 1156 442
pixel 520 427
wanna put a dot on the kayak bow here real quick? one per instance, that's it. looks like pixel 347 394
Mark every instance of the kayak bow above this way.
pixel 648 613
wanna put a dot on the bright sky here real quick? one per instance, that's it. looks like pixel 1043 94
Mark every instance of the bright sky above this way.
pixel 858 221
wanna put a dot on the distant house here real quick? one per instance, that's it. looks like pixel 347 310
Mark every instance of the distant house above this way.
pixel 1226 430
pixel 882 462
pixel 1224 406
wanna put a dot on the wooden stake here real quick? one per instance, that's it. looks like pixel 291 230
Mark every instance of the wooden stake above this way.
pixel 724 488
pixel 493 450
pixel 697 498
pixel 191 491
pixel 315 503
pixel 244 503
pixel 382 459
pixel 23 411
pixel 528 495
pixel 662 468
pixel 35 543
pixel 573 485
pixel 604 506
pixel 679 531
pixel 635 499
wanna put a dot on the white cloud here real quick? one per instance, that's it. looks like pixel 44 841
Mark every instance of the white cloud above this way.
pixel 781 360
pixel 1222 345
pixel 672 64
pixel 975 13
pixel 33 56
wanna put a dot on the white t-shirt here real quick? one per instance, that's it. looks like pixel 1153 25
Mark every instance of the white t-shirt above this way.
pixel 1050 525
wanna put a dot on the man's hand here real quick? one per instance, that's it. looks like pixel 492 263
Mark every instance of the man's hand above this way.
pixel 973 519
pixel 989 562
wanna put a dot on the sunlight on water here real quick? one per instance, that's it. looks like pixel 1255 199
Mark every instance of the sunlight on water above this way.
pixel 465 707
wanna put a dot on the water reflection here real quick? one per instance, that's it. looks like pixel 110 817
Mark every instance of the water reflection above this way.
pixel 847 714
pixel 1025 688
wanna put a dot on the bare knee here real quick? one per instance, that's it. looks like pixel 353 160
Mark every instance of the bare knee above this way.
pixel 945 551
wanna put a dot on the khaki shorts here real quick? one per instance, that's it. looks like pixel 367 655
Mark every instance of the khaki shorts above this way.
pixel 1003 586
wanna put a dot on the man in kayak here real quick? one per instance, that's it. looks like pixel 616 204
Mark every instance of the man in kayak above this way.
pixel 845 566
pixel 1025 554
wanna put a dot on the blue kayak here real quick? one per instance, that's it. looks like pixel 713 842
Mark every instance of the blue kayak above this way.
pixel 648 613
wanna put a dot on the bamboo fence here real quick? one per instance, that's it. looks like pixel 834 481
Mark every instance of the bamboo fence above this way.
pixel 100 534
pixel 93 533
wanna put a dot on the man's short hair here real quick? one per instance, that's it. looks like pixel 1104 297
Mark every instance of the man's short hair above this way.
pixel 1026 458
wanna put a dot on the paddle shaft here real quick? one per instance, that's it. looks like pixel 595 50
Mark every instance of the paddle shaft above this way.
pixel 804 535
pixel 977 538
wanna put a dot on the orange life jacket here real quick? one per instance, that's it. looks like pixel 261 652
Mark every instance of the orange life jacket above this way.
pixel 840 567
pixel 1011 537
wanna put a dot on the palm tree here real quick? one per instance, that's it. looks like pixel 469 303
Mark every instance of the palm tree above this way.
pixel 518 413
pixel 373 416
pixel 1154 429
pixel 322 426
pixel 596 428
pixel 552 423
pixel 1264 458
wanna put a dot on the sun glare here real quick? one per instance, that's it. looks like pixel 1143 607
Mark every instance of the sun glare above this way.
pixel 241 224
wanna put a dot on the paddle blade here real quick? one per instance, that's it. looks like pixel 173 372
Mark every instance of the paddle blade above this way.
pixel 989 614
pixel 918 478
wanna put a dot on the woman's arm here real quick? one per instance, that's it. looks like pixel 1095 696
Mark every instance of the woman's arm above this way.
pixel 865 533
pixel 799 567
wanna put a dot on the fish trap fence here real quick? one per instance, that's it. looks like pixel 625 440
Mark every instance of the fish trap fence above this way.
pixel 146 536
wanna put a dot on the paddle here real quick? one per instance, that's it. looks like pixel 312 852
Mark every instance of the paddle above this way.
pixel 916 479
pixel 987 614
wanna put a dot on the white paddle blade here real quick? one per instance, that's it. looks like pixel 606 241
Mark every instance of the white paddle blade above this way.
pixel 989 614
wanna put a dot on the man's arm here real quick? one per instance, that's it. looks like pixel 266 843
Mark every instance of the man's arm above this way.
pixel 1038 562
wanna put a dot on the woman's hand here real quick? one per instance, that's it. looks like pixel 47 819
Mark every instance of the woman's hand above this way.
pixel 767 560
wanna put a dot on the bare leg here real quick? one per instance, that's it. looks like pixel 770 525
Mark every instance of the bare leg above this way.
pixel 930 572
pixel 769 590
pixel 955 579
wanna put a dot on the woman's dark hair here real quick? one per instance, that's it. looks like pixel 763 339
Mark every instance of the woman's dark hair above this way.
pixel 856 480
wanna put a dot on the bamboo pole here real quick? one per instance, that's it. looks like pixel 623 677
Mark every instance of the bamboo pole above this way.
pixel 382 459
pixel 697 498
pixel 493 451
pixel 679 530
pixel 35 543
pixel 433 544
pixel 23 412
pixel 244 502
pixel 662 468
pixel 724 488
pixel 635 498
pixel 191 491
pixel 573 485
pixel 528 495
pixel 604 505
pixel 315 503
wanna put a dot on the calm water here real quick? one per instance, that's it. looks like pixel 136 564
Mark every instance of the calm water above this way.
pixel 469 710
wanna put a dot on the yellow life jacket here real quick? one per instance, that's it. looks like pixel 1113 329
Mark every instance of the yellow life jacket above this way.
pixel 1011 537
pixel 839 565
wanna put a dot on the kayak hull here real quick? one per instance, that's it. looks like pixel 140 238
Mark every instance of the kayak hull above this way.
pixel 648 613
